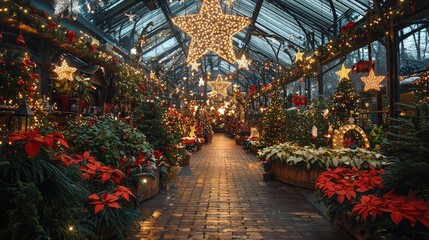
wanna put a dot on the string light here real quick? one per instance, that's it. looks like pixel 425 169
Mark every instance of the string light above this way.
pixel 338 138
pixel 211 30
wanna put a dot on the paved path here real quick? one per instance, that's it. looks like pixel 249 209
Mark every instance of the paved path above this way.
pixel 222 196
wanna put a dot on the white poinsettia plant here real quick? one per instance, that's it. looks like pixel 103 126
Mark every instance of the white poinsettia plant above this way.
pixel 322 157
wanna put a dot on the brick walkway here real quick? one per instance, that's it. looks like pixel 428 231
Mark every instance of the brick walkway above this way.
pixel 222 196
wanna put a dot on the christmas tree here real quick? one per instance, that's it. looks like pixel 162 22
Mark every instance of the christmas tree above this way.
pixel 272 125
pixel 344 103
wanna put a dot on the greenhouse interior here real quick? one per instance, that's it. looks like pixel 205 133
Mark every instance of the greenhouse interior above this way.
pixel 214 119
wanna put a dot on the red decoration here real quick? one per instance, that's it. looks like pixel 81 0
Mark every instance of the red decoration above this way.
pixel 71 36
pixel 20 40
pixel 363 66
pixel 253 89
pixel 1 36
pixel 348 27
pixel 92 48
pixel 52 26
pixel 299 100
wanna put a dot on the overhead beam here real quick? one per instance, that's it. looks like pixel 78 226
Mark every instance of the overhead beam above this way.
pixel 253 23
pixel 167 13
pixel 113 12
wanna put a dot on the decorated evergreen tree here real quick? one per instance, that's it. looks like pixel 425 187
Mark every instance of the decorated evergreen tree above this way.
pixel 272 125
pixel 344 103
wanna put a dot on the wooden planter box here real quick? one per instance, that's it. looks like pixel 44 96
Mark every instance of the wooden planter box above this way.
pixel 297 176
pixel 359 232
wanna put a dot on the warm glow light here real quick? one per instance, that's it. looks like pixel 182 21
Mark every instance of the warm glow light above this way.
pixel 337 140
pixel 344 72
pixel 219 86
pixel 372 81
pixel 65 72
pixel 195 66
pixel 211 31
pixel 243 62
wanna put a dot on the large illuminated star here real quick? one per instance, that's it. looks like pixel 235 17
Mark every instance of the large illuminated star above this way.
pixel 65 72
pixel 344 72
pixel 219 86
pixel 243 62
pixel 211 31
pixel 372 81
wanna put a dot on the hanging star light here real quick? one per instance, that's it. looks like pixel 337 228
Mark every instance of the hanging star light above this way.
pixel 344 72
pixel 229 3
pixel 201 82
pixel 65 72
pixel 195 66
pixel 243 62
pixel 298 56
pixel 219 86
pixel 372 81
pixel 211 31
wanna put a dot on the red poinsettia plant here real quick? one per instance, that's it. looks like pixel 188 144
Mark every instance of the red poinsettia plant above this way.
pixel 110 200
pixel 360 194
pixel 34 141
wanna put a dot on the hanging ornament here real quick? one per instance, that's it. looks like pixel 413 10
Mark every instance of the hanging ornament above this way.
pixel 372 81
pixel 325 114
pixel 343 72
pixel 243 62
pixel 71 36
pixel 65 72
pixel 201 82
pixel 219 86
pixel 253 89
pixel 1 36
pixel 195 66
pixel 211 31
pixel 313 132
pixel 298 56
pixel 20 40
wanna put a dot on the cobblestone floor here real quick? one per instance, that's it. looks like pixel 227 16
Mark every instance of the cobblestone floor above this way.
pixel 221 195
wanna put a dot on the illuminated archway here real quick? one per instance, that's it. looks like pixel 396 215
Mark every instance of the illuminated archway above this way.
pixel 337 140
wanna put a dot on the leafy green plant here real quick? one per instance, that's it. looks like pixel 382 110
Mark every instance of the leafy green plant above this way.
pixel 409 151
pixel 39 198
pixel 107 139
pixel 311 157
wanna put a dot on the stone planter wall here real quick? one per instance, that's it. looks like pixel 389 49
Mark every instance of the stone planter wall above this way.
pixel 297 176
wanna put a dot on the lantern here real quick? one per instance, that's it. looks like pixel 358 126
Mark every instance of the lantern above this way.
pixel 22 118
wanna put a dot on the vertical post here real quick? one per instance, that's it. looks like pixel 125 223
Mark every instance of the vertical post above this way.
pixel 319 78
pixel 392 63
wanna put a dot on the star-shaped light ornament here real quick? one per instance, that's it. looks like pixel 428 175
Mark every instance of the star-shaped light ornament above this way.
pixel 211 31
pixel 298 56
pixel 372 81
pixel 195 66
pixel 243 62
pixel 201 82
pixel 344 72
pixel 65 72
pixel 229 3
pixel 219 86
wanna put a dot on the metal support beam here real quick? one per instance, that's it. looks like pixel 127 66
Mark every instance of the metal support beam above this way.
pixel 392 62
pixel 113 12
pixel 166 10
pixel 253 22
